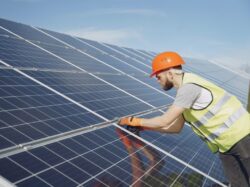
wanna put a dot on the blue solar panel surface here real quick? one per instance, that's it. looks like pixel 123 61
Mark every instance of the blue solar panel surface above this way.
pixel 97 158
pixel 30 112
pixel 56 92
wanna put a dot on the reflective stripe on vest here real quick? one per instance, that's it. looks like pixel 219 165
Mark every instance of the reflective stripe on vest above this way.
pixel 230 121
pixel 211 113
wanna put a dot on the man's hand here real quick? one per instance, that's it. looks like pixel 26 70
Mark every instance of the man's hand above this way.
pixel 131 121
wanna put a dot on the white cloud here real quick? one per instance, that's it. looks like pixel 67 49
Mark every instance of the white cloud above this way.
pixel 135 12
pixel 215 43
pixel 143 12
pixel 112 36
pixel 193 54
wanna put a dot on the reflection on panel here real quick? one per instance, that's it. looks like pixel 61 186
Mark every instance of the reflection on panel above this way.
pixel 102 157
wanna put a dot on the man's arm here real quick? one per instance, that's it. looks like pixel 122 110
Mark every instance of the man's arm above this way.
pixel 174 127
pixel 171 121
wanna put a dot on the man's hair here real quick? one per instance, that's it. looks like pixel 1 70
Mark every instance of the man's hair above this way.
pixel 175 69
pixel 178 67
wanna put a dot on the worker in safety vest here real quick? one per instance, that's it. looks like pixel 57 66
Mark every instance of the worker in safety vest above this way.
pixel 214 115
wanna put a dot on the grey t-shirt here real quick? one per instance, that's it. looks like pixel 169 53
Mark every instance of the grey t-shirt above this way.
pixel 187 94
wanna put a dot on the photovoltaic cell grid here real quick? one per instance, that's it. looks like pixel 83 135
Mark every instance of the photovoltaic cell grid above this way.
pixel 30 112
pixel 18 53
pixel 110 57
pixel 92 93
pixel 97 158
pixel 92 74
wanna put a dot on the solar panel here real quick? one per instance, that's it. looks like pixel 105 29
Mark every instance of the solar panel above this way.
pixel 92 93
pixel 30 112
pixel 111 58
pixel 59 95
pixel 139 54
pixel 27 32
pixel 17 52
pixel 97 157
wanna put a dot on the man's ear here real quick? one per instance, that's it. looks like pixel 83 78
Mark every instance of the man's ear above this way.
pixel 170 75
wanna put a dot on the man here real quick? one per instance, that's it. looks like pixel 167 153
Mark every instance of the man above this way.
pixel 215 115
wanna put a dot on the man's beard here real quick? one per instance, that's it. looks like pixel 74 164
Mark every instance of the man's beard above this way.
pixel 168 85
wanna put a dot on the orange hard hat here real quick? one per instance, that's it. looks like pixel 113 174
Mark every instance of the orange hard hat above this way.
pixel 164 61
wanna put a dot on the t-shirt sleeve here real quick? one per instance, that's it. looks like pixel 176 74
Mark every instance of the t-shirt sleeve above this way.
pixel 186 95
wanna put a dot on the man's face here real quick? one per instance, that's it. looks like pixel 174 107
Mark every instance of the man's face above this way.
pixel 164 81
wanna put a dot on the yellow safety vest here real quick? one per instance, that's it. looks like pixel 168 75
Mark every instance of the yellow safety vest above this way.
pixel 223 122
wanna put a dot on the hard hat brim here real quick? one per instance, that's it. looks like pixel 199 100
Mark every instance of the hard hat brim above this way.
pixel 152 74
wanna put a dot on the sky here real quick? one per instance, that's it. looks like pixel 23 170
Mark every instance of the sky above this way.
pixel 214 30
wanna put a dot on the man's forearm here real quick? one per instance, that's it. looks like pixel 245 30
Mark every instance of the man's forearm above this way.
pixel 163 121
pixel 154 123
pixel 173 127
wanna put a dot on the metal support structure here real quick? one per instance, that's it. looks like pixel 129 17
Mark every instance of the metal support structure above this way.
pixel 52 139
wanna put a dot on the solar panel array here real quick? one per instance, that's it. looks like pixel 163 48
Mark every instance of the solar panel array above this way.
pixel 59 95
